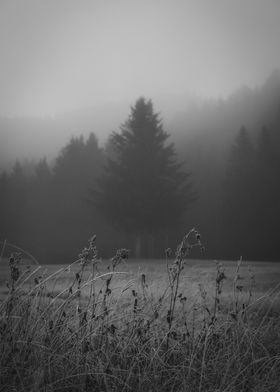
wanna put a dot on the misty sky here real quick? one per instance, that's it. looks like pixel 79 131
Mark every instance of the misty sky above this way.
pixel 59 55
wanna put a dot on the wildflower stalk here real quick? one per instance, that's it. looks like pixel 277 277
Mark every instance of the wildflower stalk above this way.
pixel 174 273
pixel 220 277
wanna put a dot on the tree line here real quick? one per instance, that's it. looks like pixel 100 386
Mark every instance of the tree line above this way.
pixel 251 196
pixel 136 192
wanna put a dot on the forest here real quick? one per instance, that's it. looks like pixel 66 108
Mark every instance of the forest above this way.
pixel 217 168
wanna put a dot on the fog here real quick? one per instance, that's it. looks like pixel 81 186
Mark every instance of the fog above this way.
pixel 59 56
pixel 74 60
pixel 34 137
pixel 71 68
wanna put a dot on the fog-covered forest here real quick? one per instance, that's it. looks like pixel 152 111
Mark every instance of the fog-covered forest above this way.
pixel 228 149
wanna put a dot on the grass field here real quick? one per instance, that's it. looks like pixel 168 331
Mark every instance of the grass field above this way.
pixel 140 325
pixel 262 276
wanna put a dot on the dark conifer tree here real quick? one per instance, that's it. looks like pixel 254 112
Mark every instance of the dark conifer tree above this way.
pixel 75 171
pixel 143 189
pixel 239 199
pixel 37 219
pixel 43 172
pixel 267 195
pixel 6 223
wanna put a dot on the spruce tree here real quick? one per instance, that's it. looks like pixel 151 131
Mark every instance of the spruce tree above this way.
pixel 239 200
pixel 143 189
pixel 267 194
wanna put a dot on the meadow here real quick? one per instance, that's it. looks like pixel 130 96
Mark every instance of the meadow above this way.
pixel 175 324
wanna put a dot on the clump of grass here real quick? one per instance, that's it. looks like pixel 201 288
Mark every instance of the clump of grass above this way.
pixel 94 335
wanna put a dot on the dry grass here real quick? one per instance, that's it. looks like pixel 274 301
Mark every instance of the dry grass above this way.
pixel 120 325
